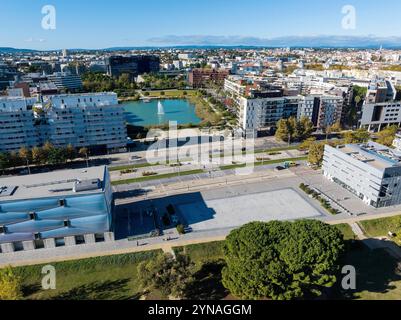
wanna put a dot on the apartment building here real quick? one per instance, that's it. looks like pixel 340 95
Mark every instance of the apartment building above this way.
pixel 264 113
pixel 370 171
pixel 66 81
pixel 94 120
pixel 198 78
pixel 17 124
pixel 260 104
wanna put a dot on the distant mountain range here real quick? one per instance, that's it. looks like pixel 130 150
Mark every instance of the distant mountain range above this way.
pixel 205 42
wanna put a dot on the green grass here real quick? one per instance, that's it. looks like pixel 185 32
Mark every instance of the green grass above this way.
pixel 201 253
pixel 346 230
pixel 156 177
pixel 110 277
pixel 262 163
pixel 260 151
pixel 131 166
pixel 381 227
pixel 377 277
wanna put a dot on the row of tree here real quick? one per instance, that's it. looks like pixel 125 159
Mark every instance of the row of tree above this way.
pixel 46 155
pixel 291 129
pixel 99 82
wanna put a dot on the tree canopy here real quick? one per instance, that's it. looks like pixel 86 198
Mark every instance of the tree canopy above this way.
pixel 282 260
pixel 387 136
pixel 170 276
pixel 290 129
pixel 316 153
pixel 10 285
pixel 358 136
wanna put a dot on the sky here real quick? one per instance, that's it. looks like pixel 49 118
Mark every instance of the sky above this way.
pixel 100 24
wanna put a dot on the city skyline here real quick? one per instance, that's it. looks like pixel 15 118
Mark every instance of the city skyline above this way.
pixel 162 23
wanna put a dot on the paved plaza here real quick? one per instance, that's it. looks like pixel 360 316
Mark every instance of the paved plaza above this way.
pixel 285 204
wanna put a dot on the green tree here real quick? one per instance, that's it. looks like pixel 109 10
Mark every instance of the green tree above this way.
pixel 387 135
pixel 38 155
pixel 70 152
pixel 284 130
pixel 306 144
pixel 282 260
pixel 26 156
pixel 291 129
pixel 358 136
pixel 4 161
pixel 170 276
pixel 316 153
pixel 10 285
pixel 84 153
pixel 307 128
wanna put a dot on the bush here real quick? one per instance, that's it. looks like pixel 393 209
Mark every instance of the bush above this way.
pixel 181 229
pixel 148 173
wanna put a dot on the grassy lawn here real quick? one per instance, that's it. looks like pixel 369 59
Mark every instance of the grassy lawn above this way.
pixel 381 227
pixel 111 277
pixel 156 177
pixel 201 253
pixel 378 275
pixel 131 166
pixel 262 163
pixel 346 230
pixel 259 151
pixel 116 277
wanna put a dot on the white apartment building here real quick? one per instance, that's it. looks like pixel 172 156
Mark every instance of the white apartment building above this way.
pixel 82 120
pixel 17 124
pixel 257 114
pixel 260 113
pixel 370 171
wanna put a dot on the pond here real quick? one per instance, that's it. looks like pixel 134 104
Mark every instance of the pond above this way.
pixel 159 112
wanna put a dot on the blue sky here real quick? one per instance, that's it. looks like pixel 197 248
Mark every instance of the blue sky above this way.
pixel 102 24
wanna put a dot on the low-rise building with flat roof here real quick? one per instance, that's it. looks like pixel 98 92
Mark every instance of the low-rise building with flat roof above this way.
pixel 371 171
pixel 52 209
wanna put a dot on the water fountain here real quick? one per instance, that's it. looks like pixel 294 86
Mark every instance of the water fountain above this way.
pixel 160 109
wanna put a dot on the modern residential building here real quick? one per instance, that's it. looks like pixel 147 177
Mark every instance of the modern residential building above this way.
pixel 198 78
pixel 264 113
pixel 370 171
pixel 93 120
pixel 132 65
pixel 322 110
pixel 66 81
pixel 17 124
pixel 380 91
pixel 62 208
pixel 376 116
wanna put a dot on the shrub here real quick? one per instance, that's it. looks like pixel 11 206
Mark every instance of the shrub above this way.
pixel 181 229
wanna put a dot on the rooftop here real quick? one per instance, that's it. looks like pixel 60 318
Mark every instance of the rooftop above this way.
pixel 52 184
pixel 374 154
